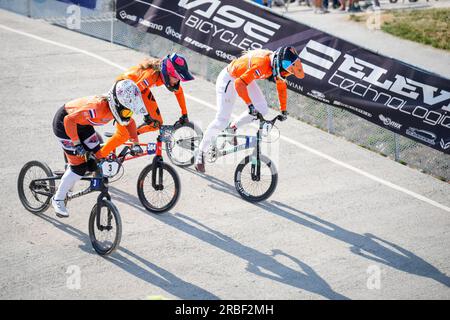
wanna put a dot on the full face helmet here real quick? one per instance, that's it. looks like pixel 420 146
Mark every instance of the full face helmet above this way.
pixel 286 62
pixel 124 100
pixel 175 65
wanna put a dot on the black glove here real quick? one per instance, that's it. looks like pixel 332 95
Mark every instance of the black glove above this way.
pixel 283 115
pixel 183 120
pixel 136 149
pixel 252 110
pixel 79 150
pixel 150 121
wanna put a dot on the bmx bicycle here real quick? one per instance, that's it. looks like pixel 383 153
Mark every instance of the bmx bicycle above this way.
pixel 256 176
pixel 36 187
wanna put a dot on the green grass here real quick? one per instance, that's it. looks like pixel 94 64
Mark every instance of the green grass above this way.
pixel 430 27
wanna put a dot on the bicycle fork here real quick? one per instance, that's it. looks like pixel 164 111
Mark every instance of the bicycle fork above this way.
pixel 157 167
pixel 255 159
pixel 103 194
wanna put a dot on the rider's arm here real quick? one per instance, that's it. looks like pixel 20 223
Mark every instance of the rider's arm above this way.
pixel 122 135
pixel 179 94
pixel 242 82
pixel 282 94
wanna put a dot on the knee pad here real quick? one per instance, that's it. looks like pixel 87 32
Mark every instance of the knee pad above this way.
pixel 80 169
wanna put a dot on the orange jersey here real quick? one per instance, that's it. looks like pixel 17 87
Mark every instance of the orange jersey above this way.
pixel 94 111
pixel 146 79
pixel 254 66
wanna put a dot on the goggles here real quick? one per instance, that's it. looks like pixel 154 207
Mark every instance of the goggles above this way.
pixel 126 113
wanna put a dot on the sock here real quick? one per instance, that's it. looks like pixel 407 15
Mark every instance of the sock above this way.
pixel 68 180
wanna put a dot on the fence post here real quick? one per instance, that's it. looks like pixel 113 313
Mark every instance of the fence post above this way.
pixel 330 124
pixel 29 8
pixel 397 148
pixel 113 16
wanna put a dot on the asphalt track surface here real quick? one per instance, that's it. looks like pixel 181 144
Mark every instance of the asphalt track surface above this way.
pixel 344 222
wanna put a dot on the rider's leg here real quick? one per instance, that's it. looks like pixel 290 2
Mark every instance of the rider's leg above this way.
pixel 74 172
pixel 225 98
pixel 259 102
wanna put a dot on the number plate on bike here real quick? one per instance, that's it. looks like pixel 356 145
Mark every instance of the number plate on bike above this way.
pixel 110 168
pixel 151 148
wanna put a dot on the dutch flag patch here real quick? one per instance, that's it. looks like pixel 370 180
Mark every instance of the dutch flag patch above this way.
pixel 258 73
pixel 146 82
pixel 92 113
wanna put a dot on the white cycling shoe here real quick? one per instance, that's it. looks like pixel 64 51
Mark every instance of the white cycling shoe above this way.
pixel 60 208
pixel 200 162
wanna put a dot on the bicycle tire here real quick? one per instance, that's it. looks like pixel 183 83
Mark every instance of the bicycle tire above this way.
pixel 188 162
pixel 21 188
pixel 93 226
pixel 238 179
pixel 147 172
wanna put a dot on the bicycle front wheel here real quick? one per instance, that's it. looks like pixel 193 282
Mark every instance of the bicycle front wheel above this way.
pixel 35 195
pixel 255 189
pixel 185 139
pixel 162 194
pixel 105 227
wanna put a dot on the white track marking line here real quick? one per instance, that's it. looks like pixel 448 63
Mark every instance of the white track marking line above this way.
pixel 289 140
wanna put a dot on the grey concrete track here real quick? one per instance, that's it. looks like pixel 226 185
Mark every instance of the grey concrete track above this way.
pixel 324 234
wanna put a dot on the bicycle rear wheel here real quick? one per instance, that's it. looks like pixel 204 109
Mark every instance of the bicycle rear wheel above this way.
pixel 185 139
pixel 165 195
pixel 105 227
pixel 253 190
pixel 30 191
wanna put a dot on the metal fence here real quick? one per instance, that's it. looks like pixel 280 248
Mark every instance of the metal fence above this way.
pixel 101 23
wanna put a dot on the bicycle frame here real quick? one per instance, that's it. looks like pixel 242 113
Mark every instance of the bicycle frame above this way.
pixel 103 186
pixel 151 148
pixel 250 142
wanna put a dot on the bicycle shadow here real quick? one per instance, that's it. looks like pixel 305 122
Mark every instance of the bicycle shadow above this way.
pixel 307 279
pixel 367 245
pixel 259 263
pixel 151 273
pixel 72 231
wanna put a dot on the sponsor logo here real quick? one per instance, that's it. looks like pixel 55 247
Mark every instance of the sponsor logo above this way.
pixel 171 32
pixel 318 95
pixel 444 145
pixel 150 24
pixel 426 136
pixel 294 85
pixel 226 22
pixel 197 44
pixel 225 55
pixel 341 104
pixel 388 122
pixel 373 83
pixel 123 14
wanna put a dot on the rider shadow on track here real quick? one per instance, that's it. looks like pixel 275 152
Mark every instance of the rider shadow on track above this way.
pixel 366 245
pixel 303 277
pixel 150 272
pixel 306 279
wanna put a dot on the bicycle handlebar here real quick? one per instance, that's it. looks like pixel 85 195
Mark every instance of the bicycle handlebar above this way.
pixel 260 117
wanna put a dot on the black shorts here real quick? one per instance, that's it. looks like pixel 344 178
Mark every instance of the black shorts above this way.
pixel 88 137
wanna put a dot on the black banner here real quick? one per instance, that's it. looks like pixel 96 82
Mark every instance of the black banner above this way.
pixel 392 94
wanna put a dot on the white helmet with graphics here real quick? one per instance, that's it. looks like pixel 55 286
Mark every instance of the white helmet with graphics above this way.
pixel 124 100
